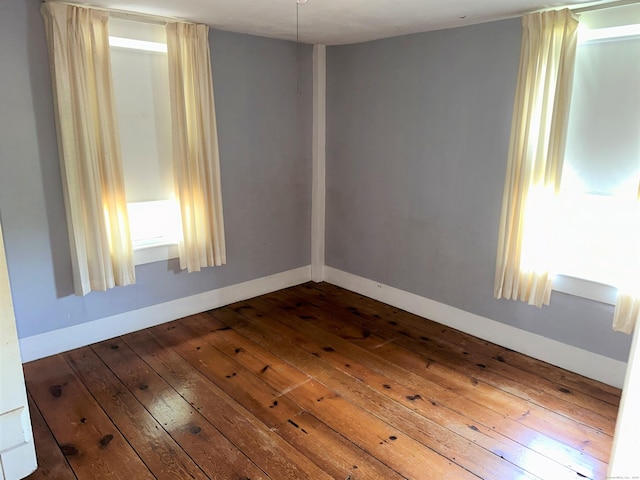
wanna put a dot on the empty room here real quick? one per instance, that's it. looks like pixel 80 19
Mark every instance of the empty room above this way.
pixel 319 239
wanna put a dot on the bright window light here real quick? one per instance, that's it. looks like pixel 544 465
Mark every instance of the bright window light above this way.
pixel 598 210
pixel 137 44
pixel 588 35
pixel 598 238
pixel 154 223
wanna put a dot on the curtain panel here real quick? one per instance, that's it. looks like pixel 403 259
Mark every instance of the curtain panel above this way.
pixel 89 149
pixel 536 151
pixel 626 315
pixel 627 312
pixel 195 147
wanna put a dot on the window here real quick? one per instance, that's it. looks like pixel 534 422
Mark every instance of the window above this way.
pixel 95 193
pixel 141 89
pixel 599 226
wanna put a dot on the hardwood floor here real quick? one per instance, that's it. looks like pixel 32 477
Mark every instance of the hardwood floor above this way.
pixel 313 382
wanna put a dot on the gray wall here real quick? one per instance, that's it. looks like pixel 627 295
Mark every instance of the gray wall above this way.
pixel 265 150
pixel 417 138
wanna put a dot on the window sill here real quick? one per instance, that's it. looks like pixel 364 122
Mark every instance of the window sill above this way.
pixel 157 252
pixel 586 289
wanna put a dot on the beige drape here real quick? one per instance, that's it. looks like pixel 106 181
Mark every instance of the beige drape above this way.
pixel 627 312
pixel 93 183
pixel 626 315
pixel 195 147
pixel 536 152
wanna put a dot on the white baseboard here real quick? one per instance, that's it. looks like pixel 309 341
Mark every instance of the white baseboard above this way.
pixel 62 340
pixel 592 365
pixel 583 362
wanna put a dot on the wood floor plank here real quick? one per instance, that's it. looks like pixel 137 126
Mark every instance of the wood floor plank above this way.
pixel 474 352
pixel 94 447
pixel 51 461
pixel 426 398
pixel 551 417
pixel 563 378
pixel 211 450
pixel 350 391
pixel 265 448
pixel 477 383
pixel 559 452
pixel 387 442
pixel 257 360
pixel 409 458
pixel 587 466
pixel 314 382
pixel 162 455
pixel 323 445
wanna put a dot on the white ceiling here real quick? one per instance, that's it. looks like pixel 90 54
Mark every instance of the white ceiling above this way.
pixel 333 22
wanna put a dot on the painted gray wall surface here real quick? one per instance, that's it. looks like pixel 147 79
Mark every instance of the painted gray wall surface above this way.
pixel 417 137
pixel 265 150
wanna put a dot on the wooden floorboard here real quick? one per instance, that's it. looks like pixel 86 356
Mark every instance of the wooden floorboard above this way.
pixel 531 406
pixel 51 461
pixel 313 382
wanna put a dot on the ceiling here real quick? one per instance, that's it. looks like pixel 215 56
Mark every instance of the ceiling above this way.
pixel 333 22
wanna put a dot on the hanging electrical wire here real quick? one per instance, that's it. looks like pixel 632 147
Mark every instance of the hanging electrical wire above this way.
pixel 298 66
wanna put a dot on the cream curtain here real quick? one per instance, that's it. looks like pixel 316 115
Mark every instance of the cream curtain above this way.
pixel 195 147
pixel 536 152
pixel 627 312
pixel 93 183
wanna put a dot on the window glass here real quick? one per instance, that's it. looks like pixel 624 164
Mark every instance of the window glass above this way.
pixel 603 140
pixel 599 223
pixel 142 99
pixel 141 88
pixel 153 222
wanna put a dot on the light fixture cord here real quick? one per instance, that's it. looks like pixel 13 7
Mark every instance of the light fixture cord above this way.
pixel 298 89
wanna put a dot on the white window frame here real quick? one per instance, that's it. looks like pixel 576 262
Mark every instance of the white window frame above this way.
pixel 580 287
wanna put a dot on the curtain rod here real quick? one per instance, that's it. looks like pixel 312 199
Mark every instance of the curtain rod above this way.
pixel 146 17
pixel 601 6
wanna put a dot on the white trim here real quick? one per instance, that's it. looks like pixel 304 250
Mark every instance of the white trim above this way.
pixel 17 449
pixel 318 188
pixel 592 365
pixel 586 363
pixel 580 287
pixel 57 341
pixel 133 44
pixel 586 35
pixel 12 426
pixel 18 462
pixel 625 461
pixel 154 253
